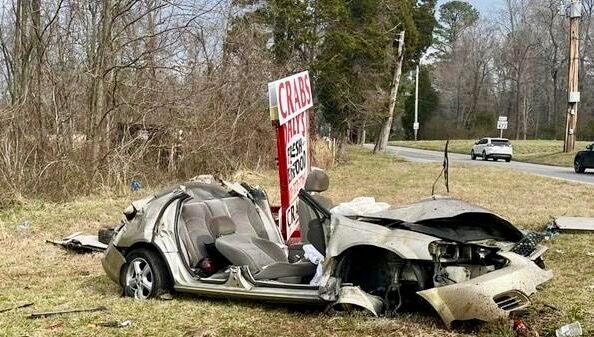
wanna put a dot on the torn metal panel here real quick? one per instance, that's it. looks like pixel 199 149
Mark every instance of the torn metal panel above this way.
pixel 81 243
pixel 571 223
pixel 347 233
pixel 355 296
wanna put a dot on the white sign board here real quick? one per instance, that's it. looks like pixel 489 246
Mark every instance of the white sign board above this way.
pixel 502 123
pixel 415 126
pixel 290 98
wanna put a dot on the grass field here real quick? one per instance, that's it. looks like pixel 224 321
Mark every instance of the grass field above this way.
pixel 549 152
pixel 33 271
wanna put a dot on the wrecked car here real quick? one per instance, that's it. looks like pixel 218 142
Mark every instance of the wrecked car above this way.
pixel 221 239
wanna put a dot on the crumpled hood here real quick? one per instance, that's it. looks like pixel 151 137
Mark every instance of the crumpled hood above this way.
pixel 452 219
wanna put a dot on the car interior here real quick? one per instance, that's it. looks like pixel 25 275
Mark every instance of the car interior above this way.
pixel 218 233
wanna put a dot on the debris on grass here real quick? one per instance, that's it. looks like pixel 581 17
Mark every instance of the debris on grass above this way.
pixel 114 324
pixel 16 307
pixel 81 243
pixel 55 326
pixel 574 224
pixel 23 226
pixel 61 312
pixel 167 296
pixel 570 330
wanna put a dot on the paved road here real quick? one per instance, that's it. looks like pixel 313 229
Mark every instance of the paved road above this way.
pixel 425 156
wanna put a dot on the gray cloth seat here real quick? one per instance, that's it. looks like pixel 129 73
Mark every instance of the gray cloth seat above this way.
pixel 195 216
pixel 193 231
pixel 264 258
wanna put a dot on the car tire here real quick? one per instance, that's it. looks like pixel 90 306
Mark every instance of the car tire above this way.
pixel 578 167
pixel 144 275
pixel 105 235
pixel 485 156
pixel 507 160
pixel 472 155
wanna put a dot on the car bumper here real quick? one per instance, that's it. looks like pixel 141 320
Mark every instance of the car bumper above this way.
pixel 112 262
pixel 502 153
pixel 499 155
pixel 490 296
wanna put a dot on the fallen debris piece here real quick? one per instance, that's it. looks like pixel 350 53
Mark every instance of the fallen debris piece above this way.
pixel 574 224
pixel 521 329
pixel 360 206
pixel 23 226
pixel 559 251
pixel 81 243
pixel 55 326
pixel 114 324
pixel 16 307
pixel 61 312
pixel 570 330
pixel 105 234
pixel 166 296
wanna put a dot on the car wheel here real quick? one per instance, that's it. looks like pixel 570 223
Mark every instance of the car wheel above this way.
pixel 495 159
pixel 578 167
pixel 144 274
pixel 484 156
pixel 507 160
pixel 472 155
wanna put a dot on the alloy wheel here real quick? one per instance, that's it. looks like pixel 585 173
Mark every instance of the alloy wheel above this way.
pixel 139 278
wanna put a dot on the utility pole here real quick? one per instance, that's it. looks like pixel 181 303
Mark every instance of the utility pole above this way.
pixel 416 123
pixel 574 10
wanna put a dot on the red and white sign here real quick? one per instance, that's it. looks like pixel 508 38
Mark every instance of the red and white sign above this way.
pixel 290 98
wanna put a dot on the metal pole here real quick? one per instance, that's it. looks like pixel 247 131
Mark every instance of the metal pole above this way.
pixel 573 94
pixel 416 124
pixel 500 133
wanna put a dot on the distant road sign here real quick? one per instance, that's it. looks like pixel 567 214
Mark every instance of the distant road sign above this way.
pixel 502 123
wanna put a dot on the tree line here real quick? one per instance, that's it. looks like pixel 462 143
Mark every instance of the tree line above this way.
pixel 511 62
pixel 95 94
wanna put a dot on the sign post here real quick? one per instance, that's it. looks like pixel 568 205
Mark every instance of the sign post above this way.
pixel 290 98
pixel 501 125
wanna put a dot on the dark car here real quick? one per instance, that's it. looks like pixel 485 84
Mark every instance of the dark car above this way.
pixel 584 159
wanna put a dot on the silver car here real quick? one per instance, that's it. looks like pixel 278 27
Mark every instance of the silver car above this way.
pixel 221 239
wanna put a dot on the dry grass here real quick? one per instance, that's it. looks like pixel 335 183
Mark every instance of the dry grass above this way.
pixel 549 152
pixel 33 271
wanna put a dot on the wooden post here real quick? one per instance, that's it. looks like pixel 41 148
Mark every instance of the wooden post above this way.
pixel 573 94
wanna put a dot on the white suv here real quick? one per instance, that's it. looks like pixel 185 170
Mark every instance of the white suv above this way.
pixel 496 148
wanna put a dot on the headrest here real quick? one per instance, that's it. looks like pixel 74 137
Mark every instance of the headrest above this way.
pixel 317 181
pixel 221 225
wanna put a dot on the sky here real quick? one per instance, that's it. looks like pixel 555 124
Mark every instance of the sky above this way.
pixel 484 6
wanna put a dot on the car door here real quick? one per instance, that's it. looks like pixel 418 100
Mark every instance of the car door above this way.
pixel 480 147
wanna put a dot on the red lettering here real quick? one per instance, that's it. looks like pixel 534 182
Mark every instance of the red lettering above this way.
pixel 304 124
pixel 297 97
pixel 289 131
pixel 307 89
pixel 302 91
pixel 289 98
pixel 279 97
pixel 286 135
